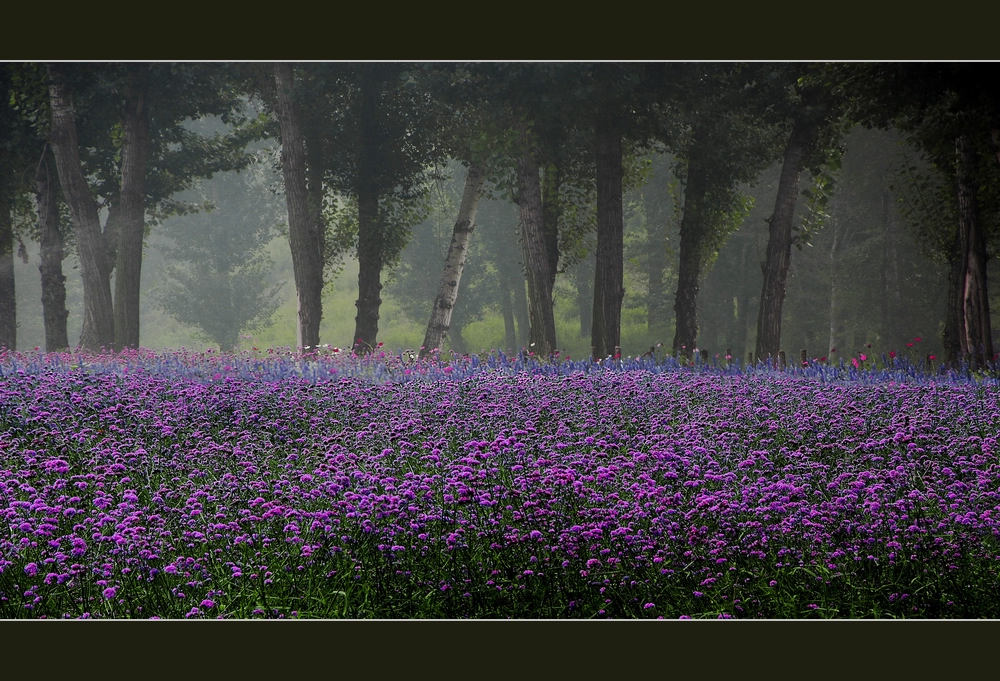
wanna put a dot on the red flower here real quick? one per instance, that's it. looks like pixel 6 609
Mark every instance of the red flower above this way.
pixel 892 354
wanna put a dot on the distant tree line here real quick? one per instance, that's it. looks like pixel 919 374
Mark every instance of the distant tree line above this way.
pixel 626 184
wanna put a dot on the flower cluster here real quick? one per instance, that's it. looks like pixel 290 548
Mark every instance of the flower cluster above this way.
pixel 175 486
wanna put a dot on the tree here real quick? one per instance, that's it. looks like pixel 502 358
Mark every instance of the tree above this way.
pixel 451 277
pixel 51 239
pixel 726 140
pixel 95 265
pixel 945 111
pixel 371 140
pixel 538 270
pixel 218 282
pixel 128 154
pixel 306 231
pixel 28 158
pixel 135 153
pixel 812 143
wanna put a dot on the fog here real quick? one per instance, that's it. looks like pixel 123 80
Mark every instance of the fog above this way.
pixel 863 278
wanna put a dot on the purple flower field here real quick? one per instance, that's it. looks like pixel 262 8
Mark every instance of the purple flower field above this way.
pixel 270 486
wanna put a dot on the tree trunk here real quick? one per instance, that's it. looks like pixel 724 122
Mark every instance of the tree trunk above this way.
pixel 304 228
pixel 54 311
pixel 551 213
pixel 689 260
pixel 609 287
pixel 369 273
pixel 370 246
pixel 95 267
pixel 521 314
pixel 542 338
pixel 454 264
pixel 132 213
pixel 779 243
pixel 976 335
pixel 833 312
pixel 8 299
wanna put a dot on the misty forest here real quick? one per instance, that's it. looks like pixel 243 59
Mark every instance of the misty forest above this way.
pixel 488 340
pixel 740 209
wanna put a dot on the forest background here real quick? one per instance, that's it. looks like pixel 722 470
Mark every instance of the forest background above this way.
pixel 875 225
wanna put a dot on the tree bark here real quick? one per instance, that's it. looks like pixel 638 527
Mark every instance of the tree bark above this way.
pixel 95 267
pixel 779 243
pixel 454 264
pixel 609 287
pixel 521 314
pixel 833 311
pixel 370 247
pixel 542 338
pixel 132 213
pixel 689 260
pixel 304 225
pixel 54 313
pixel 976 339
pixel 551 214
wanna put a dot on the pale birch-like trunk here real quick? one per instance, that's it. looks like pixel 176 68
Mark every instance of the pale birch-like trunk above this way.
pixel 451 276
